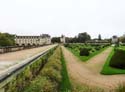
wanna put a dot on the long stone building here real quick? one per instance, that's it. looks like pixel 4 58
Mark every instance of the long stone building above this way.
pixel 33 40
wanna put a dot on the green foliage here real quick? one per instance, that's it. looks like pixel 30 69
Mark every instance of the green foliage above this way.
pixel 84 52
pixel 83 37
pixel 117 59
pixel 80 38
pixel 108 70
pixel 41 84
pixel 76 48
pixel 6 39
pixel 52 74
pixel 97 48
pixel 49 78
pixel 65 84
pixel 53 77
pixel 52 69
pixel 55 40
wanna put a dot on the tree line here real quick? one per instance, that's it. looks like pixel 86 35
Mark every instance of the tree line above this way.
pixel 80 38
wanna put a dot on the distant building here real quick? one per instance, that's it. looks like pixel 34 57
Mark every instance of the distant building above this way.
pixel 32 40
pixel 63 39
pixel 115 39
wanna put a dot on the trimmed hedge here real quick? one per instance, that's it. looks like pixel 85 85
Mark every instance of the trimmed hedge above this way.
pixel 84 52
pixel 118 59
pixel 98 48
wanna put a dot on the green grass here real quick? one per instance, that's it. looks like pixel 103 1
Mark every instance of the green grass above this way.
pixel 86 58
pixel 65 84
pixel 107 70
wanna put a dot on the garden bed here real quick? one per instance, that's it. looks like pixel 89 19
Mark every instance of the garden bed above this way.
pixel 93 50
pixel 108 70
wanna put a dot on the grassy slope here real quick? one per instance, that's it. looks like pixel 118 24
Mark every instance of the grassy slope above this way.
pixel 43 81
pixel 86 58
pixel 107 70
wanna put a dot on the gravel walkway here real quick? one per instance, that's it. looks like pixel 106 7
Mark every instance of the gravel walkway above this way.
pixel 89 73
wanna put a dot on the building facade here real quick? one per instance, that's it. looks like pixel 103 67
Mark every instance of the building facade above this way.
pixel 33 40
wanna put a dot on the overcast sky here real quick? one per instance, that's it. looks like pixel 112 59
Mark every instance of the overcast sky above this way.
pixel 68 17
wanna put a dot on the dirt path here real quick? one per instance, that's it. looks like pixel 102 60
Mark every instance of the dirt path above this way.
pixel 96 63
pixel 89 73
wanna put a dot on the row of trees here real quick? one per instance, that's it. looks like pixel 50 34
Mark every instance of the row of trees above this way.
pixel 55 40
pixel 81 38
pixel 6 39
pixel 122 39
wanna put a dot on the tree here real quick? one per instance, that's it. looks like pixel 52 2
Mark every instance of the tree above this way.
pixel 71 39
pixel 122 39
pixel 83 37
pixel 6 39
pixel 55 40
pixel 99 37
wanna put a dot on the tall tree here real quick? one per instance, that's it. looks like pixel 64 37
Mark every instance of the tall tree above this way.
pixel 55 40
pixel 83 37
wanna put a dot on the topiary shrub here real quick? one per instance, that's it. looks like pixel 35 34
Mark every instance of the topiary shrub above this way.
pixel 67 45
pixel 118 59
pixel 93 50
pixel 84 52
pixel 97 48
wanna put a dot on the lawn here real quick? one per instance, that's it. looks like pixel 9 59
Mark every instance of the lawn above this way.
pixel 86 58
pixel 107 70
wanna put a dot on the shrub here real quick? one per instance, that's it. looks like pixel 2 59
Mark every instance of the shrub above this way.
pixel 93 50
pixel 41 84
pixel 52 70
pixel 89 49
pixel 106 45
pixel 52 74
pixel 66 45
pixel 118 59
pixel 97 48
pixel 84 52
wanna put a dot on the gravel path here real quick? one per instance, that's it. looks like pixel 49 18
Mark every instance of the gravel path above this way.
pixel 89 73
